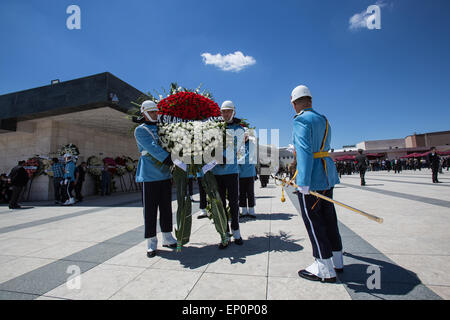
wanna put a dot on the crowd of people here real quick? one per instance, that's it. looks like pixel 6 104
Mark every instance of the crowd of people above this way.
pixel 67 178
pixel 396 165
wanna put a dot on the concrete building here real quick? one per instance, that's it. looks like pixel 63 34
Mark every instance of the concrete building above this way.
pixel 428 140
pixel 89 112
pixel 396 148
pixel 382 144
pixel 286 157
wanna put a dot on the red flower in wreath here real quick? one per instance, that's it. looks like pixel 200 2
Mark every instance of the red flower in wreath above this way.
pixel 189 106
pixel 32 167
pixel 112 166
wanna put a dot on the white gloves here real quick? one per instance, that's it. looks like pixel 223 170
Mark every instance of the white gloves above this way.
pixel 304 190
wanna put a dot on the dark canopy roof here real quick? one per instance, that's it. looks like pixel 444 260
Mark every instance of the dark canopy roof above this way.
pixel 66 97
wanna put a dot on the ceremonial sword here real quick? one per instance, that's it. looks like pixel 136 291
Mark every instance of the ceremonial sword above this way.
pixel 365 214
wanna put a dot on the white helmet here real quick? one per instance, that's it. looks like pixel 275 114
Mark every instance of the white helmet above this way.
pixel 299 92
pixel 148 105
pixel 227 105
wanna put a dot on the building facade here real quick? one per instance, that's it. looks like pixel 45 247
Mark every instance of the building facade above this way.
pixel 89 112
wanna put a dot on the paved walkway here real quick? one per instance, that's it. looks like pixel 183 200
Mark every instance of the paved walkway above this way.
pixel 42 248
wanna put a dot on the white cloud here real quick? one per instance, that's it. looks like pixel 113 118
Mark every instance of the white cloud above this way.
pixel 231 62
pixel 359 20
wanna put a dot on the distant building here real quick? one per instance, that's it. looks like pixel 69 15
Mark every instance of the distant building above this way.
pixel 89 112
pixel 382 144
pixel 286 157
pixel 428 140
pixel 396 148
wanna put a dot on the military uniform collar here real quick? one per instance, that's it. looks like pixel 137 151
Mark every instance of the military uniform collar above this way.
pixel 304 110
pixel 234 121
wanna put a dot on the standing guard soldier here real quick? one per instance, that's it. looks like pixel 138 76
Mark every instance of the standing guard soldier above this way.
pixel 156 179
pixel 316 172
pixel 247 174
pixel 203 202
pixel 361 166
pixel 227 174
pixel 69 180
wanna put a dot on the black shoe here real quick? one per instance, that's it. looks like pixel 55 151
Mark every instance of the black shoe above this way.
pixel 312 277
pixel 250 216
pixel 223 246
pixel 151 254
pixel 339 270
pixel 173 246
pixel 202 216
pixel 239 241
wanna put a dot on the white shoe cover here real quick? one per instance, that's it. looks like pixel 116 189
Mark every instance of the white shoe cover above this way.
pixel 338 260
pixel 251 211
pixel 323 268
pixel 236 234
pixel 152 244
pixel 168 239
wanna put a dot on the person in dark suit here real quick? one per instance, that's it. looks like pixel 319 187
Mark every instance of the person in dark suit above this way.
pixel 5 192
pixel 434 160
pixel 106 181
pixel 361 166
pixel 80 176
pixel 19 179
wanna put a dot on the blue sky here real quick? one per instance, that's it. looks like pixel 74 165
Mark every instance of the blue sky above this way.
pixel 371 84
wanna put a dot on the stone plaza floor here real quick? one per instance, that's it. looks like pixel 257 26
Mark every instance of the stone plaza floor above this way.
pixel 42 248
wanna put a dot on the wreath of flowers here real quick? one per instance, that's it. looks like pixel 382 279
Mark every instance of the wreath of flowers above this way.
pixel 190 126
pixel 33 167
pixel 121 164
pixel 129 164
pixel 111 164
pixel 47 167
pixel 70 149
pixel 95 166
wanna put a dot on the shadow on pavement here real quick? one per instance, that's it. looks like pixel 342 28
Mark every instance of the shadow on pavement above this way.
pixel 196 257
pixel 394 280
pixel 265 217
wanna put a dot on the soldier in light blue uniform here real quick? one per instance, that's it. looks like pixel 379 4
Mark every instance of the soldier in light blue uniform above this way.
pixel 316 171
pixel 69 179
pixel 227 174
pixel 247 174
pixel 156 179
